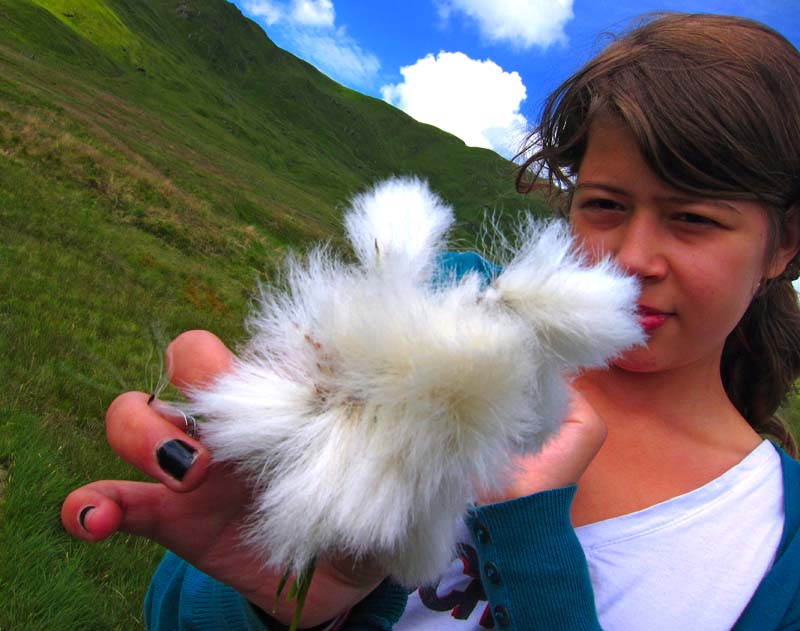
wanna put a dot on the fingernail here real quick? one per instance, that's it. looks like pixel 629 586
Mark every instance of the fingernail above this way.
pixel 175 457
pixel 82 516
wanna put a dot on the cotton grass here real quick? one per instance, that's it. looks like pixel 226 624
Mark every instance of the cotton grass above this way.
pixel 376 398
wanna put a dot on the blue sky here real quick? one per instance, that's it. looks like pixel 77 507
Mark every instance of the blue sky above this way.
pixel 479 69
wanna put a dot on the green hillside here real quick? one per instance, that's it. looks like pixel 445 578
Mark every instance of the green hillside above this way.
pixel 156 160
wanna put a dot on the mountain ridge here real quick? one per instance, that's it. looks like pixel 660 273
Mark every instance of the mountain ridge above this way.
pixel 281 108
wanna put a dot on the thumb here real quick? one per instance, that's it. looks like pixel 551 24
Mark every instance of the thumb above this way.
pixel 563 458
pixel 196 358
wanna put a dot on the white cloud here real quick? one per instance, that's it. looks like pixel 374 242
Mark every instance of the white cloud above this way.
pixel 308 28
pixel 523 23
pixel 338 56
pixel 268 11
pixel 313 12
pixel 475 100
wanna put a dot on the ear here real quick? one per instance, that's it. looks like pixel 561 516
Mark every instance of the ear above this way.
pixel 788 247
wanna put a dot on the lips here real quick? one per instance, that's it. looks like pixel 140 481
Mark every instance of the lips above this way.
pixel 650 319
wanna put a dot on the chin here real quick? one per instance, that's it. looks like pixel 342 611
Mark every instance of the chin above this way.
pixel 637 360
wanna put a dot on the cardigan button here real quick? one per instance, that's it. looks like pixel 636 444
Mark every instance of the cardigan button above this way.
pixel 501 616
pixel 492 572
pixel 482 534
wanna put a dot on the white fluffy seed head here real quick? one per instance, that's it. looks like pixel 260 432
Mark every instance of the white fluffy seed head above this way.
pixel 371 403
pixel 399 224
pixel 395 406
pixel 584 314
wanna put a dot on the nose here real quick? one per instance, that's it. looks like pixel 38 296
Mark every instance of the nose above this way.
pixel 640 247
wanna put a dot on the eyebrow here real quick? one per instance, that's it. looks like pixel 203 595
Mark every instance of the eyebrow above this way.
pixel 605 187
pixel 674 199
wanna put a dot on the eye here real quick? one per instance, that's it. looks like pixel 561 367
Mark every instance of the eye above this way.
pixel 599 213
pixel 601 203
pixel 695 220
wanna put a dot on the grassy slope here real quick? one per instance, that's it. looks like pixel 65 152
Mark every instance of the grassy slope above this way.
pixel 156 160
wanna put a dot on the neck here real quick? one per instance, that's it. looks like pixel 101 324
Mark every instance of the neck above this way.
pixel 669 432
pixel 689 398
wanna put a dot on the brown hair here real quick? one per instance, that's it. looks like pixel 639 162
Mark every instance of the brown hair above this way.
pixel 714 104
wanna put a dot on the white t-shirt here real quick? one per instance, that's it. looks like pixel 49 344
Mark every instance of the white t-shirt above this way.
pixel 691 562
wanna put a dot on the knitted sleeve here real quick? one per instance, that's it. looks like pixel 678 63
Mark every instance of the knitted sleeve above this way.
pixel 532 568
pixel 182 598
pixel 532 565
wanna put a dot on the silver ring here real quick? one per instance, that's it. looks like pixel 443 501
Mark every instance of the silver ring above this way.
pixel 190 425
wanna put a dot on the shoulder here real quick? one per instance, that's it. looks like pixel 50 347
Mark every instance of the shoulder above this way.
pixel 777 600
pixel 791 490
pixel 790 466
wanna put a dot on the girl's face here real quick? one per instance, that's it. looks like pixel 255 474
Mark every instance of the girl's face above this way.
pixel 699 260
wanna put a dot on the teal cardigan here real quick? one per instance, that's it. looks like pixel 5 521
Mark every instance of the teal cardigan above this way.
pixel 545 581
pixel 528 542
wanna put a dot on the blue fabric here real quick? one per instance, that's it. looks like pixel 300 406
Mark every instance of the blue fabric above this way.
pixel 458 264
pixel 182 598
pixel 776 603
pixel 533 569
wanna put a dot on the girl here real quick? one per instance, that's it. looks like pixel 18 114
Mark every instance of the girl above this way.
pixel 659 505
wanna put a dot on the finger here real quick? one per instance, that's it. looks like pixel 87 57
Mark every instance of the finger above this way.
pixel 153 444
pixel 579 407
pixel 564 457
pixel 174 415
pixel 196 358
pixel 98 510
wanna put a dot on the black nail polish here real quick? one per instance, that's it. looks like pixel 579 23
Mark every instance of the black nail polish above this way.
pixel 175 457
pixel 82 516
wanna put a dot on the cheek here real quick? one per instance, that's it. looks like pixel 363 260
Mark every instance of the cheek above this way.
pixel 595 245
pixel 719 290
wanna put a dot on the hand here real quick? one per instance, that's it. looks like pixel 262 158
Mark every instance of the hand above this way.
pixel 196 508
pixel 563 459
